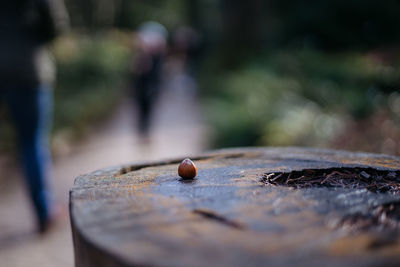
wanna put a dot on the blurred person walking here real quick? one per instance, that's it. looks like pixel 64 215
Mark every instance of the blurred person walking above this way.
pixel 185 52
pixel 150 45
pixel 26 77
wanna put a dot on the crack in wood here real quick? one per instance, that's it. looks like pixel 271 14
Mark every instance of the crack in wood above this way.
pixel 377 181
pixel 208 214
pixel 381 217
pixel 136 167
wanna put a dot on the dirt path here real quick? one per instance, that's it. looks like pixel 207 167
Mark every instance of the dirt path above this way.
pixel 178 131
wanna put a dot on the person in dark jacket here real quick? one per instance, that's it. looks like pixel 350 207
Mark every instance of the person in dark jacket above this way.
pixel 151 45
pixel 26 76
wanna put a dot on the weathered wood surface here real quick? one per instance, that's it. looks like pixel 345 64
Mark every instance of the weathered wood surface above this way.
pixel 146 215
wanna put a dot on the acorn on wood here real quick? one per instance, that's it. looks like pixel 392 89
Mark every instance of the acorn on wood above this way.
pixel 187 169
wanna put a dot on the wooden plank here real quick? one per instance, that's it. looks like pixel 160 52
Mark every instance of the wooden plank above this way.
pixel 145 214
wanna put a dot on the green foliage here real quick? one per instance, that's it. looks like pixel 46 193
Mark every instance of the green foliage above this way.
pixel 167 12
pixel 337 24
pixel 91 71
pixel 296 97
pixel 125 14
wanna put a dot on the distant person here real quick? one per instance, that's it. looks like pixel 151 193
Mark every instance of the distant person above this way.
pixel 187 45
pixel 26 76
pixel 150 47
pixel 185 50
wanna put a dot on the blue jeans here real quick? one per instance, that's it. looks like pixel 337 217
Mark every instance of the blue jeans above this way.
pixel 31 111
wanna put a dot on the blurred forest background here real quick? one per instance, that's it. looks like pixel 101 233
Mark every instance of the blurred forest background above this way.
pixel 270 72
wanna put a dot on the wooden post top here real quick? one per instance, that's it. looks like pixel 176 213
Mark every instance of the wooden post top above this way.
pixel 246 207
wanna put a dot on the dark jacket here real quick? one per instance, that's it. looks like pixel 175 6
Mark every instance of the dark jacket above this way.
pixel 26 26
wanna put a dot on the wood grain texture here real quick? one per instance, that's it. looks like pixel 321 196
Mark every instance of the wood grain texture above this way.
pixel 145 214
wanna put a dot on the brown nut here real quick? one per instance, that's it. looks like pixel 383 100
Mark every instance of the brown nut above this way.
pixel 187 169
